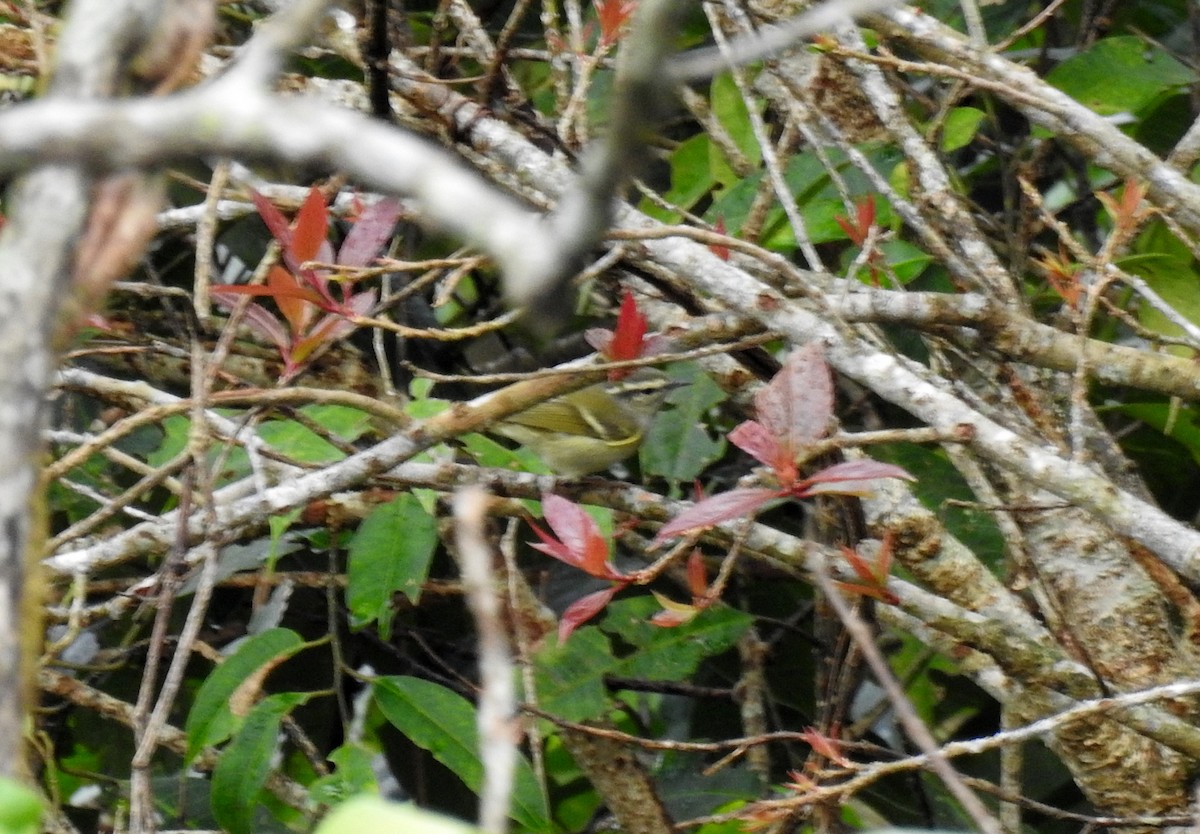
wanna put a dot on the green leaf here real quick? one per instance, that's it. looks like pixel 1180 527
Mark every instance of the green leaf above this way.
pixel 570 675
pixel 1168 267
pixel 175 435
pixel 342 421
pixel 1121 74
pixel 390 553
pixel 20 808
pixel 210 720
pixel 906 260
pixel 299 442
pixel 732 204
pixel 488 452
pixel 245 764
pixel 729 108
pixel 352 775
pixel 678 447
pixel 425 407
pixel 443 722
pixel 1180 423
pixel 372 815
pixel 691 176
pixel 671 653
pixel 960 127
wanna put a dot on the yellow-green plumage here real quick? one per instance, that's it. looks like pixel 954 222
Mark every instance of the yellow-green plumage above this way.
pixel 589 430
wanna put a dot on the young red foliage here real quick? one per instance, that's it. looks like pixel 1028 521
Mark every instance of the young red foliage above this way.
pixel 864 218
pixel 756 440
pixel 1127 213
pixel 301 293
pixel 629 335
pixel 852 477
pixel 370 232
pixel 717 249
pixel 678 613
pixel 726 506
pixel 627 340
pixel 310 229
pixel 874 574
pixel 792 412
pixel 583 609
pixel 796 406
pixel 613 16
pixel 579 542
pixel 825 746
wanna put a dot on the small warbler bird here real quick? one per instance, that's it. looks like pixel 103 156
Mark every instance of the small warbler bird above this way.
pixel 589 430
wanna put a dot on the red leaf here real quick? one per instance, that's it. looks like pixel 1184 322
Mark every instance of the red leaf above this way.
pixel 797 404
pixel 874 591
pixel 613 16
pixel 580 543
pixel 860 565
pixel 853 477
pixel 330 328
pixel 864 218
pixel 756 440
pixel 304 346
pixel 846 226
pixel 629 332
pixel 873 574
pixel 551 546
pixel 866 214
pixel 799 782
pixel 697 575
pixel 276 223
pixel 737 503
pixel 298 312
pixel 583 609
pixel 222 291
pixel 717 249
pixel 369 233
pixel 825 746
pixel 312 226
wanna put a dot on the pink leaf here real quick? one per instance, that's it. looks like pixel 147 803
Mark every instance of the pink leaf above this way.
pixel 551 546
pixel 756 440
pixel 599 338
pixel 331 327
pixel 580 543
pixel 737 503
pixel 276 223
pixel 797 404
pixel 262 322
pixel 583 609
pixel 369 234
pixel 825 746
pixel 853 477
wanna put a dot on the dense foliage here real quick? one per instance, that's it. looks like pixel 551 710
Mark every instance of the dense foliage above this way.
pixel 929 286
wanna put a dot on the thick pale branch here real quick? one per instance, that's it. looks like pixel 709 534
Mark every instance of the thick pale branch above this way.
pixel 1098 138
pixel 982 324
pixel 144 133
